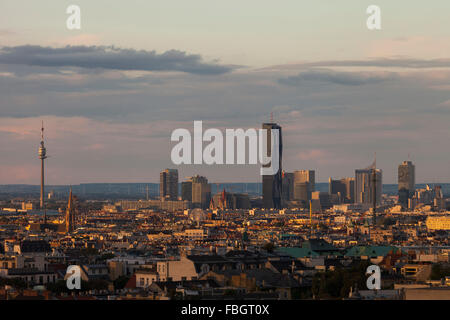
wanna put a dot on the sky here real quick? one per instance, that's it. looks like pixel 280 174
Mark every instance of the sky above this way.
pixel 111 93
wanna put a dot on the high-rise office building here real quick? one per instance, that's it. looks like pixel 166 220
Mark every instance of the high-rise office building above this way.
pixel 288 186
pixel 304 185
pixel 306 176
pixel 344 187
pixel 322 198
pixel 439 199
pixel 168 184
pixel 186 190
pixel 302 192
pixel 272 184
pixel 406 182
pixel 337 187
pixel 201 192
pixel 368 185
pixel 349 189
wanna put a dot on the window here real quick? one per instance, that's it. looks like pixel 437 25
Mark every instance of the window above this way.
pixel 205 268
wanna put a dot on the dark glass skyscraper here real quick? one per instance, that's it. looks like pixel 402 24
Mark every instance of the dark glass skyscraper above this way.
pixel 406 182
pixel 186 190
pixel 272 184
pixel 168 184
pixel 288 186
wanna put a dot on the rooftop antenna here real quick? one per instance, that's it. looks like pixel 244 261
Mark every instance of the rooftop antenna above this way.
pixel 375 161
pixel 271 117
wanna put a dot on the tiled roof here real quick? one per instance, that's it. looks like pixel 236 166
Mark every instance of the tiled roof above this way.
pixel 297 252
pixel 370 251
pixel 35 246
pixel 131 284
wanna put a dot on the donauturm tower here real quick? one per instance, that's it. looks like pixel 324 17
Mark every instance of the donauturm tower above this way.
pixel 42 156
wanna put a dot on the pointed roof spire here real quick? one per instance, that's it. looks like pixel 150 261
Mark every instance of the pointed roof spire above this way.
pixel 69 205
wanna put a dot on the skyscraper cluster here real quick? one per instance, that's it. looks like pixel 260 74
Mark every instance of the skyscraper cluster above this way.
pixel 299 186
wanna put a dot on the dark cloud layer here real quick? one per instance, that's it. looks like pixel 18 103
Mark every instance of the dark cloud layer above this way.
pixel 109 58
pixel 342 78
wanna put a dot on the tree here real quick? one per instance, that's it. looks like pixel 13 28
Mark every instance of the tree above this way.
pixel 120 282
pixel 439 271
pixel 13 282
pixel 269 247
pixel 336 284
pixel 106 256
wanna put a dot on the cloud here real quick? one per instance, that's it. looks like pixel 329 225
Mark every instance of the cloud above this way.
pixel 109 58
pixel 6 32
pixel 397 62
pixel 311 154
pixel 421 46
pixel 336 77
pixel 445 104
pixel 386 62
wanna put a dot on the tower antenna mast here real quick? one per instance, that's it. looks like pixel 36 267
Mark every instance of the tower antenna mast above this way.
pixel 42 156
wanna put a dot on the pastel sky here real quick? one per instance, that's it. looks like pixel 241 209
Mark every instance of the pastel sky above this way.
pixel 111 93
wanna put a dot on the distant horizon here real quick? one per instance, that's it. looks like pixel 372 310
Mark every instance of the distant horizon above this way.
pixel 259 182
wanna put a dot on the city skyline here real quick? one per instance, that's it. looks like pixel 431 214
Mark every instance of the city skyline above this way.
pixel 175 168
pixel 224 158
pixel 340 91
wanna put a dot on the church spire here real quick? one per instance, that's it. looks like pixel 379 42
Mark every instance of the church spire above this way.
pixel 69 205
pixel 70 213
